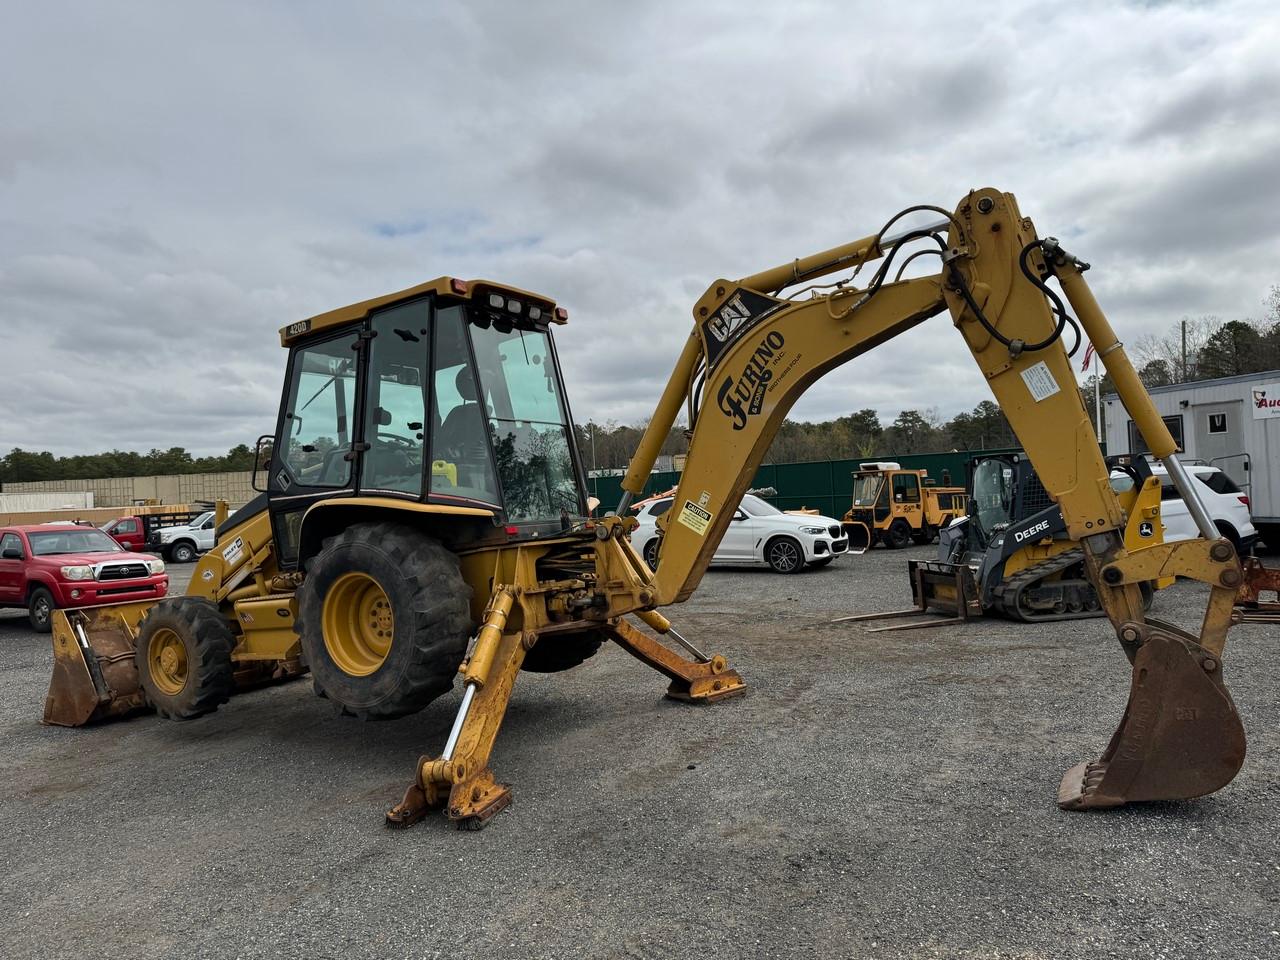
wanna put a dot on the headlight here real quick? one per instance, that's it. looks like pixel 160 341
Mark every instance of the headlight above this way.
pixel 155 566
pixel 77 573
pixel 813 531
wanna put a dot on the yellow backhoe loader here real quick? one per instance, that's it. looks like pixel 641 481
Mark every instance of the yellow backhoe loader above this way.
pixel 424 510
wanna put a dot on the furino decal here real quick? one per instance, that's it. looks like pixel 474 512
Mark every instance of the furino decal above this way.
pixel 744 396
pixel 742 311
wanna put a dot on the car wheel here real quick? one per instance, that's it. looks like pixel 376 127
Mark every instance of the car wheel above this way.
pixel 898 535
pixel 784 555
pixel 182 552
pixel 651 553
pixel 40 610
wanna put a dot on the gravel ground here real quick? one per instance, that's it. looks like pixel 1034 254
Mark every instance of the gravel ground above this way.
pixel 873 795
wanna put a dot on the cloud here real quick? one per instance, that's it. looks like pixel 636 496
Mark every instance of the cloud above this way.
pixel 177 183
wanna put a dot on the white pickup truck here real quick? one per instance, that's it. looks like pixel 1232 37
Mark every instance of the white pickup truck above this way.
pixel 184 543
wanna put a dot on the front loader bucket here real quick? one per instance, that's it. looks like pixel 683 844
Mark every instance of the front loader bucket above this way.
pixel 94 677
pixel 1180 737
pixel 859 535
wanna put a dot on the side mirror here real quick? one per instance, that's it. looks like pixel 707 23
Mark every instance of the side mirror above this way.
pixel 261 460
pixel 12 553
pixel 127 545
pixel 739 516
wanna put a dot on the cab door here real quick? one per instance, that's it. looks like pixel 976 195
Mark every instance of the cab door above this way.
pixel 316 453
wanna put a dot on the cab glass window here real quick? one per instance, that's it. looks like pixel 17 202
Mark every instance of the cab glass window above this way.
pixel 11 541
pixel 528 423
pixel 126 526
pixel 317 419
pixel 906 488
pixel 396 405
pixel 460 462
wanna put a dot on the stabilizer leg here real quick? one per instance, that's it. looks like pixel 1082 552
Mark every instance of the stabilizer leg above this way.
pixel 694 681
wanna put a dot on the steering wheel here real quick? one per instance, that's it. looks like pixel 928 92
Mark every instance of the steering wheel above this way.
pixel 395 438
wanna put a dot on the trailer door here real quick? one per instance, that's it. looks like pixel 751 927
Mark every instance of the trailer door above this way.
pixel 1220 438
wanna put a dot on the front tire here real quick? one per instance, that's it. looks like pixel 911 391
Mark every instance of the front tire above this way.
pixel 183 656
pixel 40 607
pixel 898 535
pixel 384 616
pixel 784 555
pixel 182 552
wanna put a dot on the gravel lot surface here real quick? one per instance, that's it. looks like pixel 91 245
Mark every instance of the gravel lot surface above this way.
pixel 884 795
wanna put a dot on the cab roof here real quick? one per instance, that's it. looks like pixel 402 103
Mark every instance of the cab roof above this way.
pixel 514 302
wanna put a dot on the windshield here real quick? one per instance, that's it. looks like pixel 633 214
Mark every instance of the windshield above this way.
pixel 528 423
pixel 79 540
pixel 757 507
pixel 866 489
pixel 200 519
pixel 992 494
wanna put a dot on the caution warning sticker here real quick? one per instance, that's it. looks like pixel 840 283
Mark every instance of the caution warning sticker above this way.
pixel 695 518
pixel 1040 381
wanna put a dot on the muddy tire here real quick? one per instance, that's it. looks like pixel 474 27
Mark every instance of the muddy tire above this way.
pixel 183 656
pixel 898 535
pixel 40 607
pixel 384 616
pixel 554 654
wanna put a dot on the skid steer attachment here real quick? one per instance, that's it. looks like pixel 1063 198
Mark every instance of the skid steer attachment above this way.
pixel 937 587
pixel 94 676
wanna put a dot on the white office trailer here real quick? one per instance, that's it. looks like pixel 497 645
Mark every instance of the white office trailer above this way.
pixel 1232 423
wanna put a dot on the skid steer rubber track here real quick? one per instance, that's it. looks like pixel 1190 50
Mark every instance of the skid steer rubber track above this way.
pixel 1028 595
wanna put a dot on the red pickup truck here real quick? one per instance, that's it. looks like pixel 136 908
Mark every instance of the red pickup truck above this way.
pixel 46 566
pixel 142 532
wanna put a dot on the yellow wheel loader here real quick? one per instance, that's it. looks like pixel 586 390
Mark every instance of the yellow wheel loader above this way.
pixel 424 512
pixel 893 506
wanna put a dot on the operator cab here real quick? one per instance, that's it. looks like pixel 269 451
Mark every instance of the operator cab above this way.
pixel 448 394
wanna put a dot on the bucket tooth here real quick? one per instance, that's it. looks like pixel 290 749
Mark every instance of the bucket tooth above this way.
pixel 1180 736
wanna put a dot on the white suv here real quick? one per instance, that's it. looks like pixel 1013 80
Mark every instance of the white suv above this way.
pixel 758 533
pixel 1227 505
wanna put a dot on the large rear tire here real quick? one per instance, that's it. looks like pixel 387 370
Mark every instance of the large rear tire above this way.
pixel 384 616
pixel 183 656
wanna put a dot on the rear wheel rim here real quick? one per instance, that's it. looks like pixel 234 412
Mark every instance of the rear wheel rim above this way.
pixel 358 624
pixel 784 556
pixel 167 661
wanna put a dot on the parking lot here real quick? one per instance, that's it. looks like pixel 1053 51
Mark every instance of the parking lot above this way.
pixel 873 795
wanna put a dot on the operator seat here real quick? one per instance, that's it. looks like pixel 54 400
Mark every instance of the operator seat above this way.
pixel 462 434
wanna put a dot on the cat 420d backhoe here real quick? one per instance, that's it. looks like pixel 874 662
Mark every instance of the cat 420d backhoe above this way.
pixel 425 512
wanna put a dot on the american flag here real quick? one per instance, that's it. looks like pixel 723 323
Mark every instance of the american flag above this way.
pixel 1088 355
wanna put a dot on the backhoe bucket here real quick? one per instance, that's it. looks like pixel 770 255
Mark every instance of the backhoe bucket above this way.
pixel 859 535
pixel 94 677
pixel 1180 737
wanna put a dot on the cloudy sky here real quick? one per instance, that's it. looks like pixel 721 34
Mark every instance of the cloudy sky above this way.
pixel 178 180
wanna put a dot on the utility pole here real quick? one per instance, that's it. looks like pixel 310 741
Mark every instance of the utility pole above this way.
pixel 594 476
pixel 1184 349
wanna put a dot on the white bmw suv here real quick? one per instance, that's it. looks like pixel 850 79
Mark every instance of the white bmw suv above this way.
pixel 1227 505
pixel 759 533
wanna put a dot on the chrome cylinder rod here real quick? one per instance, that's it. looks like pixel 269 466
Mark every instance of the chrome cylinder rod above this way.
pixel 1191 497
pixel 451 744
